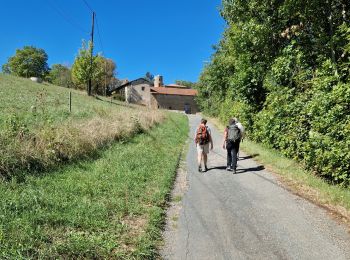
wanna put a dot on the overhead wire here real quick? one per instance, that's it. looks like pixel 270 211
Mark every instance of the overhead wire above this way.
pixel 99 35
pixel 67 17
pixel 88 6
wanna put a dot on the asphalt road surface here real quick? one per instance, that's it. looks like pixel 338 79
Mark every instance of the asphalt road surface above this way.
pixel 247 215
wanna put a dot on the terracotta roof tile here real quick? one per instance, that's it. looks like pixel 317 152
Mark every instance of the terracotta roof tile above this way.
pixel 174 91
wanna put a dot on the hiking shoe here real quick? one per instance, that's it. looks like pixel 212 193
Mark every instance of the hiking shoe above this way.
pixel 234 170
pixel 228 168
pixel 205 168
pixel 199 168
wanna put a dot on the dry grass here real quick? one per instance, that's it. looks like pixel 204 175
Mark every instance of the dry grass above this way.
pixel 44 148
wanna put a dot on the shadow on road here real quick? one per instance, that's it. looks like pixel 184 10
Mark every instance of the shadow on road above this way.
pixel 217 168
pixel 253 169
pixel 241 158
pixel 240 170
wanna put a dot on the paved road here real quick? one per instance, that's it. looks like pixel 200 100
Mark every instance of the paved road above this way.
pixel 248 216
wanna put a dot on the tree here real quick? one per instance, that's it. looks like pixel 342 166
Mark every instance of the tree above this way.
pixel 282 67
pixel 186 83
pixel 108 67
pixel 149 76
pixel 82 68
pixel 61 75
pixel 27 62
pixel 102 70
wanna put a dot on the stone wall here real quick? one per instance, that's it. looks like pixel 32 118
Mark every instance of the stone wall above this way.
pixel 139 94
pixel 174 102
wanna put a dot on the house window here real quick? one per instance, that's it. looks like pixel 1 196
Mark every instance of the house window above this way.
pixel 143 88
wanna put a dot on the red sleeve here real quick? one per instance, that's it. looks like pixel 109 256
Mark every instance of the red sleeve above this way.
pixel 225 133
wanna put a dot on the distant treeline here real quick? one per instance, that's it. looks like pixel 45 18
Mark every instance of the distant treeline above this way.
pixel 32 62
pixel 283 68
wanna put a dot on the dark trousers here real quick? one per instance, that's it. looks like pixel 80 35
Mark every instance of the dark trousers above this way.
pixel 232 151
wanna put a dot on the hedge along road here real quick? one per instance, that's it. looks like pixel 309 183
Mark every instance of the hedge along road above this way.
pixel 247 215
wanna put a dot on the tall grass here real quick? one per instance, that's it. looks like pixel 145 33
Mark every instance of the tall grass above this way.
pixel 108 208
pixel 37 132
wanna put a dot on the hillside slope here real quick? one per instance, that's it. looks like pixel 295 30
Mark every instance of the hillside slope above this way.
pixel 37 131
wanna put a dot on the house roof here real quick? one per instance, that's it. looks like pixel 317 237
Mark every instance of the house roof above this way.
pixel 132 83
pixel 174 91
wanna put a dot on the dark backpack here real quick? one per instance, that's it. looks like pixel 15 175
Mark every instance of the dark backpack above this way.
pixel 202 136
pixel 233 133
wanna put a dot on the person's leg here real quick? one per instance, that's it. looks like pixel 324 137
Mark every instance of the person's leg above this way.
pixel 205 159
pixel 199 157
pixel 234 156
pixel 205 156
pixel 229 158
pixel 238 150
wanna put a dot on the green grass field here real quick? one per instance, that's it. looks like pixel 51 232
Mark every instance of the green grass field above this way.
pixel 111 207
pixel 37 131
pixel 38 104
pixel 107 204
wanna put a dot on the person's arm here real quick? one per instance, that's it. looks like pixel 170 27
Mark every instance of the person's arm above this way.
pixel 225 137
pixel 242 131
pixel 195 136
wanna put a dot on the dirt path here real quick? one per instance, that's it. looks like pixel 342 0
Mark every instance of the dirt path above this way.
pixel 246 215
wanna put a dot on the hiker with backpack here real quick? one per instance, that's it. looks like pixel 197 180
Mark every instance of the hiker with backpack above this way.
pixel 233 135
pixel 202 139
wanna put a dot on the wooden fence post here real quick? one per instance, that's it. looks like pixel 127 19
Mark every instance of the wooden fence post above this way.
pixel 70 101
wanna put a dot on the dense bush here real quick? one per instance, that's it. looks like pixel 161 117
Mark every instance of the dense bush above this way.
pixel 282 68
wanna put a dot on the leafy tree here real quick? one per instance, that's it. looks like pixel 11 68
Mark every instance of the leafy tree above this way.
pixel 282 67
pixel 102 70
pixel 27 62
pixel 107 67
pixel 149 76
pixel 186 83
pixel 82 67
pixel 60 75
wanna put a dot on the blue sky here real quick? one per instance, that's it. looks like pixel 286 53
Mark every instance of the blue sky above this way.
pixel 171 38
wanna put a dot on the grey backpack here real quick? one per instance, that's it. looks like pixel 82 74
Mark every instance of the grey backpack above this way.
pixel 233 133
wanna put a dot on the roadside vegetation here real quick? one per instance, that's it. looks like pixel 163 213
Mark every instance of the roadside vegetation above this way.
pixel 282 68
pixel 37 131
pixel 112 207
pixel 302 182
pixel 298 180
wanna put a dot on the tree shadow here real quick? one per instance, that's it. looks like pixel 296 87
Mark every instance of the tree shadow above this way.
pixel 241 158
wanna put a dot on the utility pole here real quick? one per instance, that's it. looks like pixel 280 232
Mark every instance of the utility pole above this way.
pixel 106 77
pixel 91 54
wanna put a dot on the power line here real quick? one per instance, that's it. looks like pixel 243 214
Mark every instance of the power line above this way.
pixel 99 36
pixel 67 17
pixel 88 6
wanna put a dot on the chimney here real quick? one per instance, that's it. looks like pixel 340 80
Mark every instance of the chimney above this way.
pixel 158 81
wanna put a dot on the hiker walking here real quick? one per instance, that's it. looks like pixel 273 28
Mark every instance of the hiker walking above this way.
pixel 233 135
pixel 202 139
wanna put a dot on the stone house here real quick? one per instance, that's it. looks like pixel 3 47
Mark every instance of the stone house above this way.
pixel 136 91
pixel 155 94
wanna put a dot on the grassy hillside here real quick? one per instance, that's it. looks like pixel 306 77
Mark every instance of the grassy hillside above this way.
pixel 105 203
pixel 37 104
pixel 109 208
pixel 37 131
